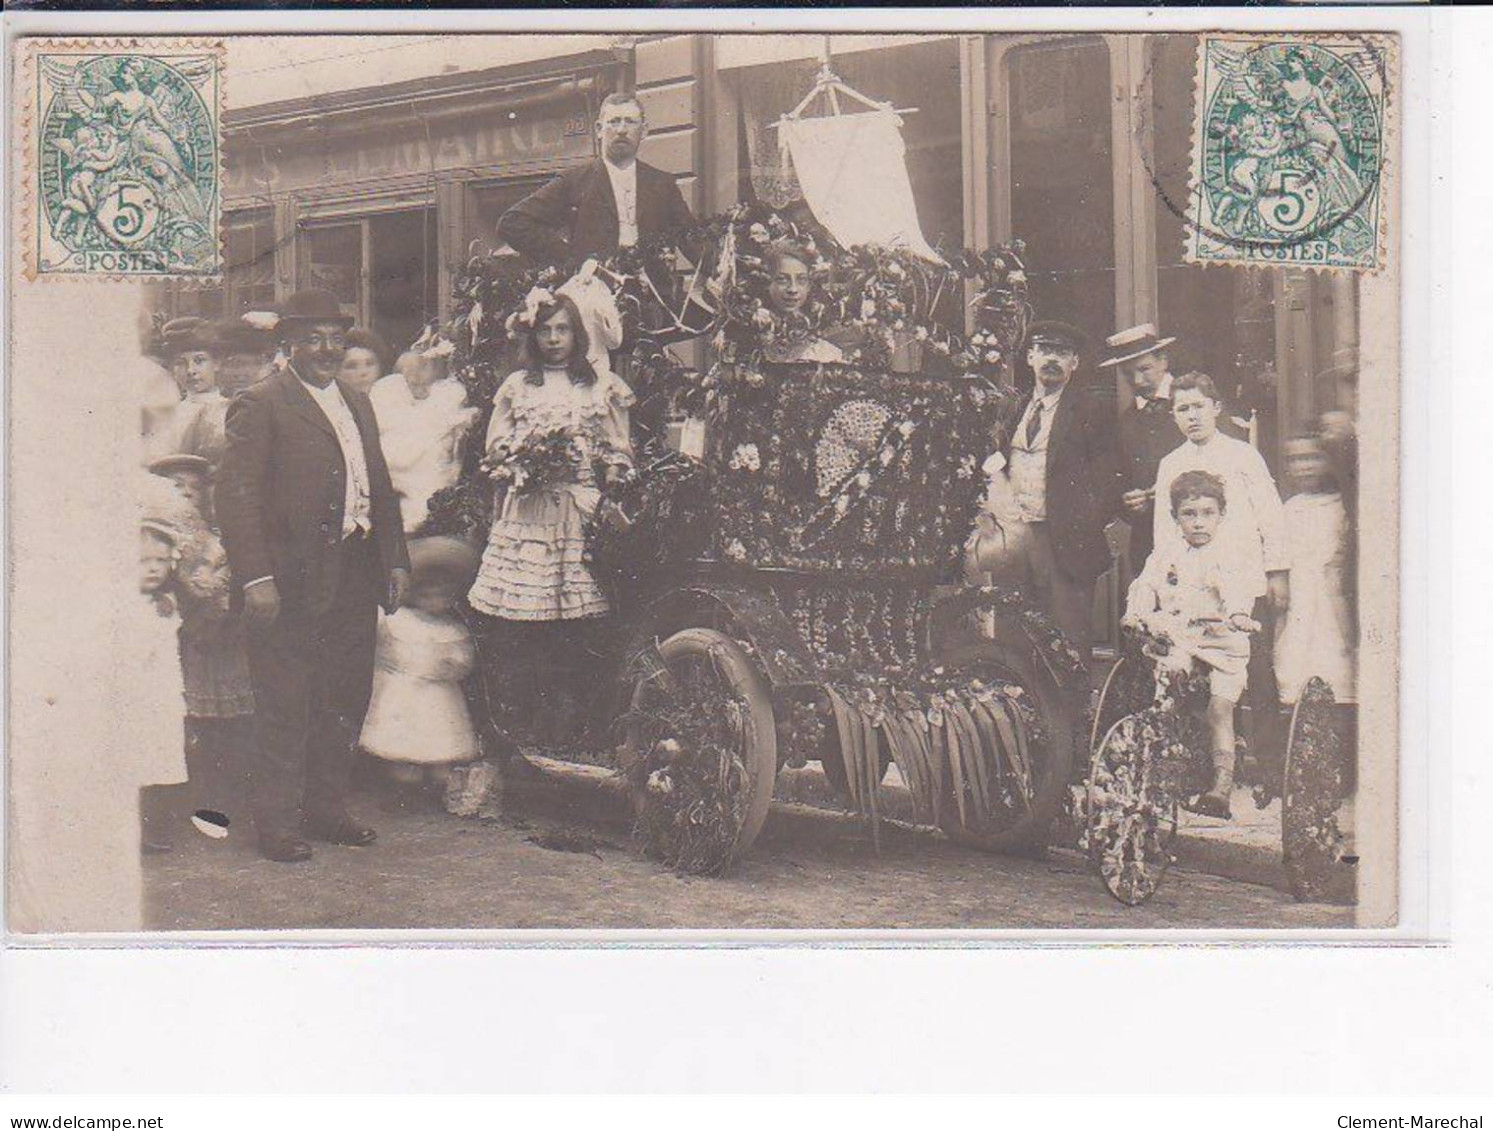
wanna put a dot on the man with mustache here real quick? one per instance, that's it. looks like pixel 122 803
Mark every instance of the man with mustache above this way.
pixel 312 530
pixel 1063 471
pixel 613 201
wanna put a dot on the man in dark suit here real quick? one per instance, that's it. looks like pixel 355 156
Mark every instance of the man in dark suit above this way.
pixel 614 201
pixel 312 530
pixel 1061 466
pixel 1147 430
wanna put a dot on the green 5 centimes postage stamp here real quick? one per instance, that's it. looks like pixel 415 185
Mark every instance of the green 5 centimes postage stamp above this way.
pixel 1291 143
pixel 123 157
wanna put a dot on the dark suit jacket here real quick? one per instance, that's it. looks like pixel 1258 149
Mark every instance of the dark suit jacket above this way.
pixel 1146 435
pixel 282 488
pixel 1083 481
pixel 575 216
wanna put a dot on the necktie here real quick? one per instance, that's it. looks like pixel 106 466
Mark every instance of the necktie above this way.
pixel 1033 424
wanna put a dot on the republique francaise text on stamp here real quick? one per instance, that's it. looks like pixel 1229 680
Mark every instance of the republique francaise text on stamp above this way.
pixel 124 158
pixel 1290 137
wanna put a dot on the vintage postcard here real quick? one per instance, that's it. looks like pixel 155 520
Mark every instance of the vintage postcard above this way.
pixel 585 482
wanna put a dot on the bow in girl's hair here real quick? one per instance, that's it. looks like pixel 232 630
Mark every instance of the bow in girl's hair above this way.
pixel 537 297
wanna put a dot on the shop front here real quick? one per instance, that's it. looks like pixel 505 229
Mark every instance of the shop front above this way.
pixel 381 195
pixel 1079 146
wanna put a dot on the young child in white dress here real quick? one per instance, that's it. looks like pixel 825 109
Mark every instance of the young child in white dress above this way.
pixel 534 580
pixel 417 719
pixel 1316 636
pixel 1191 592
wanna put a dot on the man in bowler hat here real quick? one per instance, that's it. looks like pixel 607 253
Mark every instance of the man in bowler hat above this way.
pixel 1063 479
pixel 315 544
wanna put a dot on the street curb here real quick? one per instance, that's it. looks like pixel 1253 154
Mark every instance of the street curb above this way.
pixel 1247 863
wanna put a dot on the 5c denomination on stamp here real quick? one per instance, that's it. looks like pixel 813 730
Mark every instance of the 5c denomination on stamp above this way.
pixel 1289 150
pixel 123 152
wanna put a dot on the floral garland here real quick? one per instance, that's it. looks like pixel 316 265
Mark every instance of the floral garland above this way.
pixel 649 521
pixel 689 771
pixel 1069 668
pixel 1313 844
pixel 835 468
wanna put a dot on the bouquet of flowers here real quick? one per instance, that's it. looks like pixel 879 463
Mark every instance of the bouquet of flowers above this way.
pixel 539 460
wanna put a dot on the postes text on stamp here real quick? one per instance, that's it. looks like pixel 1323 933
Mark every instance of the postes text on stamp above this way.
pixel 123 158
pixel 1289 144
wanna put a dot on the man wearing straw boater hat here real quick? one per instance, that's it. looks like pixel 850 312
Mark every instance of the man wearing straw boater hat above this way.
pixel 1147 434
pixel 315 543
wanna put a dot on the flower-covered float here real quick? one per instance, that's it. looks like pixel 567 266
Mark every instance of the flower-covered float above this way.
pixel 784 559
pixel 787 584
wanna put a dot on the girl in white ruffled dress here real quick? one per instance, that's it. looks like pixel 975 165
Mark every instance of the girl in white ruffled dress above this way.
pixel 533 578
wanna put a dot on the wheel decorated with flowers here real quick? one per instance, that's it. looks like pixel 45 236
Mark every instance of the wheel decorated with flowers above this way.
pixel 1146 753
pixel 701 750
pixel 1135 788
pixel 1314 845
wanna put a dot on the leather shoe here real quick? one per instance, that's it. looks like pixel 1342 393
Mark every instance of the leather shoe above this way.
pixel 284 848
pixel 339 830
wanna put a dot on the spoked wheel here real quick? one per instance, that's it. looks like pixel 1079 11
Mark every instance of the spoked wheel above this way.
pixel 703 749
pixel 1012 792
pixel 1312 844
pixel 1129 687
pixel 1136 783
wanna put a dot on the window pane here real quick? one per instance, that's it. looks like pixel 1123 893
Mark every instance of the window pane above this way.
pixel 924 76
pixel 249 260
pixel 486 204
pixel 403 275
pixel 248 269
pixel 1062 180
pixel 332 260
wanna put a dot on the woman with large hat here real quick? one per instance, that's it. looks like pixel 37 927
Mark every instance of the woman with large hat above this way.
pixel 200 423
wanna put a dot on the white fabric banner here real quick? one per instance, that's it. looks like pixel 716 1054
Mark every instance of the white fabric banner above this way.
pixel 853 169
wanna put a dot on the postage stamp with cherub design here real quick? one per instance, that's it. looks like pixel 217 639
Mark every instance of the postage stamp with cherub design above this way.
pixel 1290 139
pixel 124 157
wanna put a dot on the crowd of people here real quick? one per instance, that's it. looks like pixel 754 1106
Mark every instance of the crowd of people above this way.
pixel 302 619
pixel 1257 590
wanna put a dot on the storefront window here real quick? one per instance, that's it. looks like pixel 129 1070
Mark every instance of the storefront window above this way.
pixel 1223 318
pixel 1062 178
pixel 487 202
pixel 248 269
pixel 382 268
pixel 403 274
pixel 332 260
pixel 924 76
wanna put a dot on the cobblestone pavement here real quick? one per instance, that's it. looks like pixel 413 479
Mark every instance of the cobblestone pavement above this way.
pixel 809 869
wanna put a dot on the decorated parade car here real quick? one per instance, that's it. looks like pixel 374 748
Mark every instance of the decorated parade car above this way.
pixel 784 555
pixel 783 559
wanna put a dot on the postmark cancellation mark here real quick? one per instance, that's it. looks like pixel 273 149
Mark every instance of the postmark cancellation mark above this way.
pixel 1290 142
pixel 123 152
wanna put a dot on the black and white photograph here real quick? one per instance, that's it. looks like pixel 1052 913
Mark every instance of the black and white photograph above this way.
pixel 746 482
